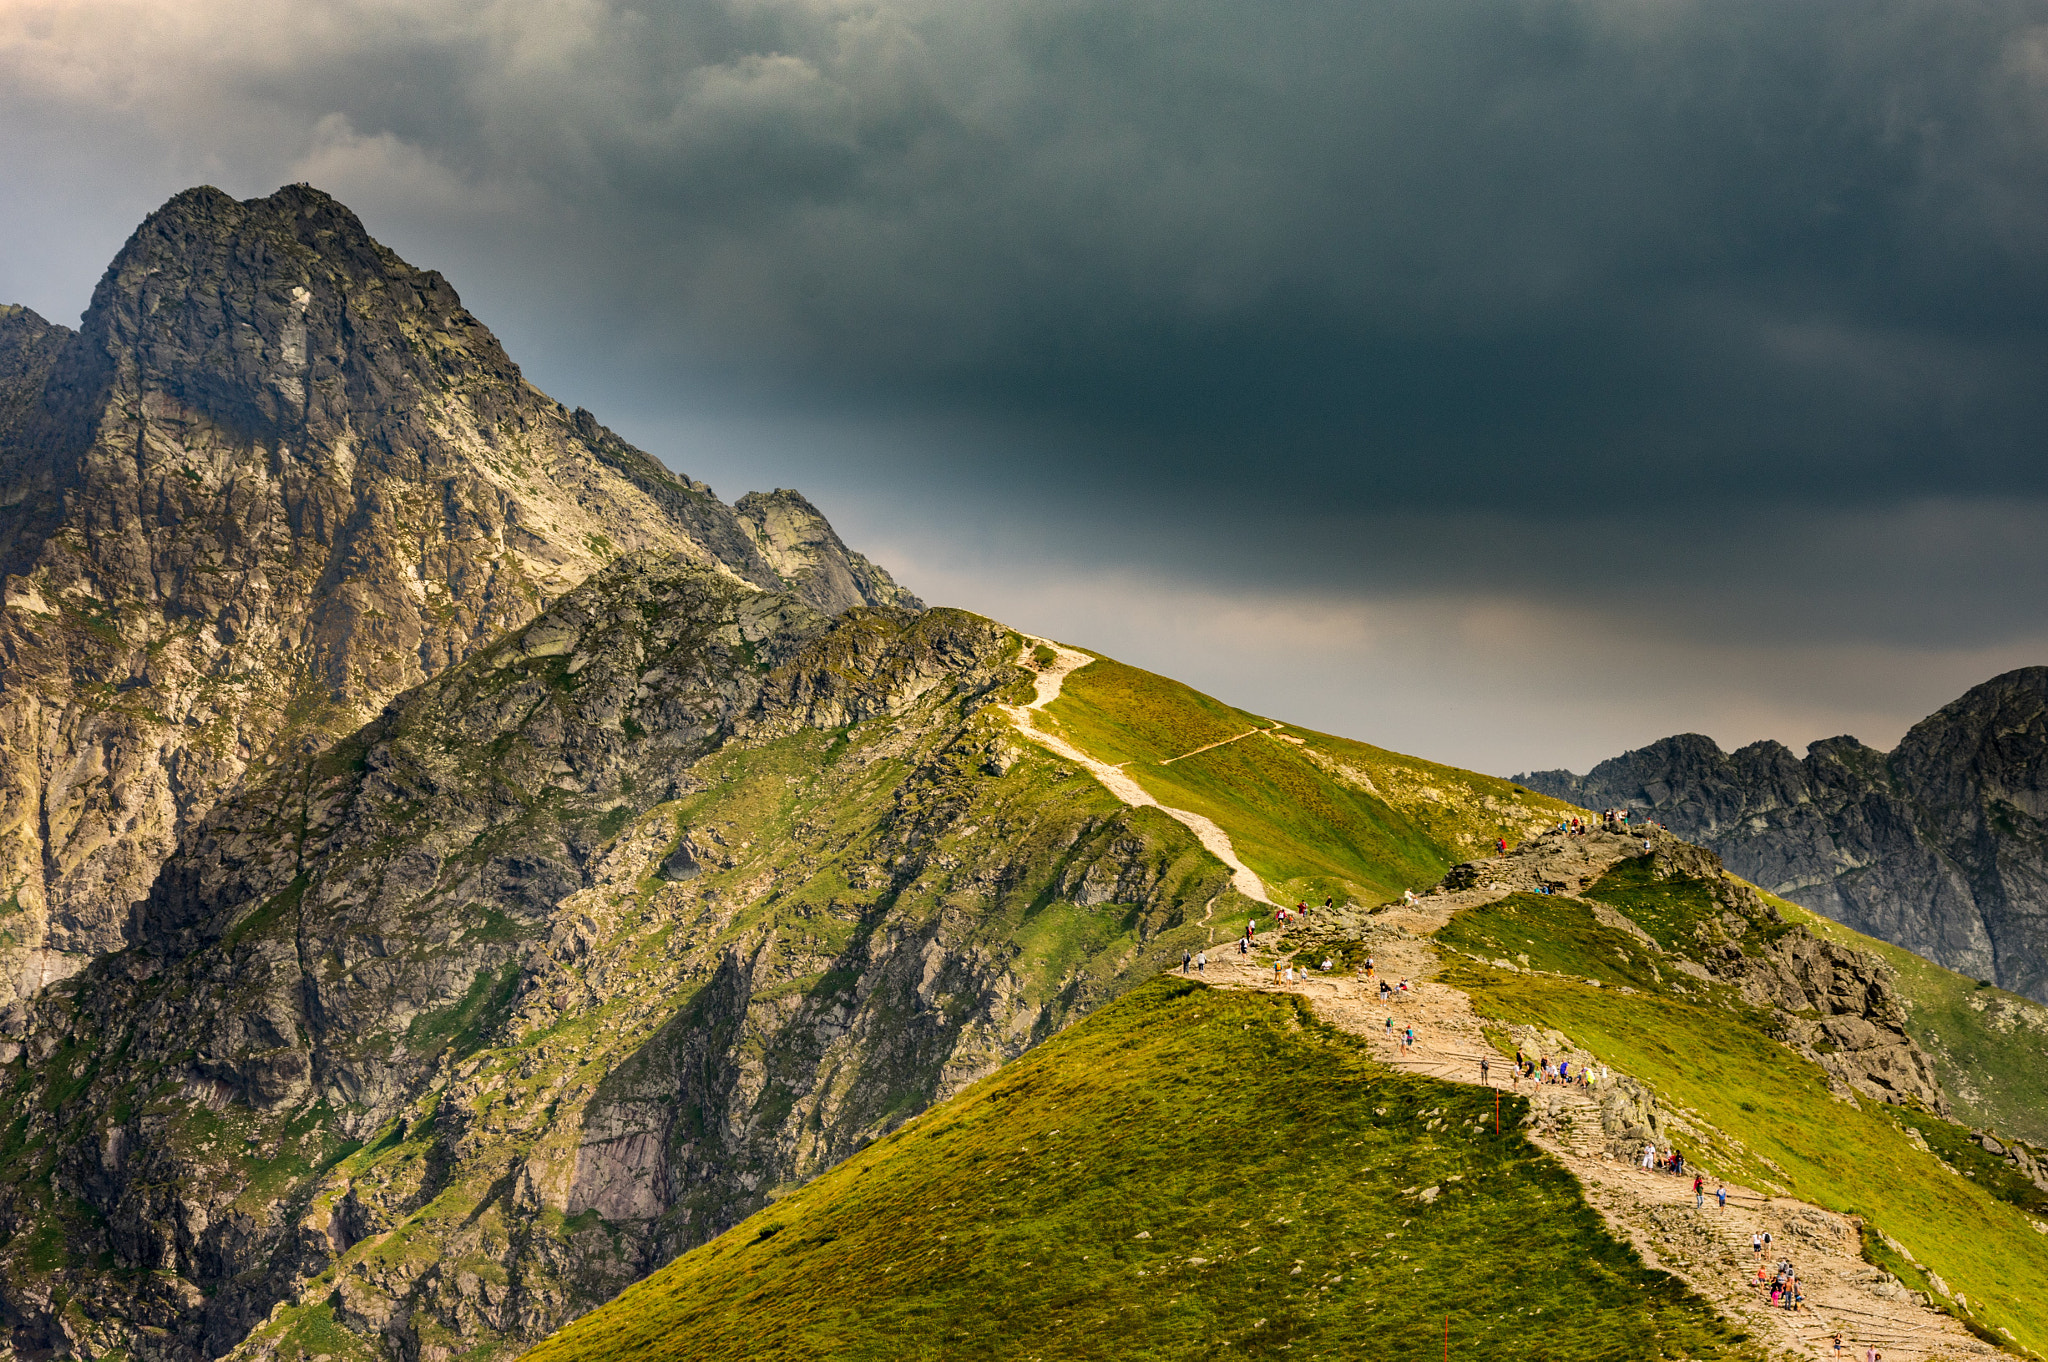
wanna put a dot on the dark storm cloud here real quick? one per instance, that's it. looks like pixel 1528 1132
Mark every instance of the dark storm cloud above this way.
pixel 1757 250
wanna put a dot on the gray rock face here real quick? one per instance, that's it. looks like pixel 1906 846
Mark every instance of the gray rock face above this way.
pixel 1940 846
pixel 277 477
pixel 576 955
pixel 810 557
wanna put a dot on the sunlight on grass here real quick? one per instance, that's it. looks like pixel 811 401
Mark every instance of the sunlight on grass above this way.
pixel 1775 1123
pixel 1186 1173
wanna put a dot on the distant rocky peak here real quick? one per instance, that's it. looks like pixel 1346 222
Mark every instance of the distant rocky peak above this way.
pixel 811 558
pixel 1940 846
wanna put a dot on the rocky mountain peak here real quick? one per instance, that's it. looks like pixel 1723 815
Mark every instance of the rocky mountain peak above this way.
pixel 278 476
pixel 802 546
pixel 1994 737
pixel 282 317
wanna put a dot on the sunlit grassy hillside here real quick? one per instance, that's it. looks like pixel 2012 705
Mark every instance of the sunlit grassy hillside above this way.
pixel 1187 1173
pixel 1314 815
pixel 1765 1112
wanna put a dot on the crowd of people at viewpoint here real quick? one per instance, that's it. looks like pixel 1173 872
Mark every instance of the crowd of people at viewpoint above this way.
pixel 1780 1281
pixel 1197 962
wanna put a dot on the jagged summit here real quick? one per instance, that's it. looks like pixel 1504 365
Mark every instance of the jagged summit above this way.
pixel 801 545
pixel 282 316
pixel 277 476
pixel 1940 845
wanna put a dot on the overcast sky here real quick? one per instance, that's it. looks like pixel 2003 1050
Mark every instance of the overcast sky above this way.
pixel 1507 381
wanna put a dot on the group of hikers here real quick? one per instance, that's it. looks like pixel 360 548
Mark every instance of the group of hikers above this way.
pixel 1543 1071
pixel 1786 1292
pixel 1289 974
pixel 1670 1161
pixel 1610 820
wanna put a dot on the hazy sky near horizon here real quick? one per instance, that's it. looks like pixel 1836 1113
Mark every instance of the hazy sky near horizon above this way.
pixel 1508 381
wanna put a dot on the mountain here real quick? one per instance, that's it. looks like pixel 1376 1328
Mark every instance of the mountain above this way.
pixel 1239 1164
pixel 1939 846
pixel 277 477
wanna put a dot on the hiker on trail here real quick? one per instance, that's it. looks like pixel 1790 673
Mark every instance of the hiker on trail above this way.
pixel 1649 1156
pixel 1410 1038
pixel 1699 1191
pixel 1546 1068
pixel 1186 959
pixel 1502 843
pixel 1756 1246
pixel 1327 962
pixel 1871 1354
pixel 1483 1069
pixel 1390 1026
pixel 1368 967
pixel 1721 1195
pixel 1202 962
pixel 1408 897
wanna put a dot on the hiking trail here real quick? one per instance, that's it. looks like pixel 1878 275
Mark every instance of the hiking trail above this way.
pixel 1708 1249
pixel 1113 778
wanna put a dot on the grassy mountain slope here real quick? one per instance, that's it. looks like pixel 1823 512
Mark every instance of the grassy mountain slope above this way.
pixel 1315 816
pixel 1187 1172
pixel 1758 1110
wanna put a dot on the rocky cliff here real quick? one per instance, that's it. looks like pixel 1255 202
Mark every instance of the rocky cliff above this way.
pixel 574 956
pixel 277 477
pixel 1940 845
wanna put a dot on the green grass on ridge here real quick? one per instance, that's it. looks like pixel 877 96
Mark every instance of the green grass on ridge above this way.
pixel 1554 933
pixel 1314 817
pixel 1772 1122
pixel 1186 1173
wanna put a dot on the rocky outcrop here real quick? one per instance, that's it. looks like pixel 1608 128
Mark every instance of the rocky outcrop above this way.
pixel 1940 845
pixel 810 557
pixel 1560 863
pixel 2030 1164
pixel 570 959
pixel 276 478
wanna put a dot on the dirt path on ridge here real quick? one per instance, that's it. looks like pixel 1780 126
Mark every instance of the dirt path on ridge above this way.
pixel 1709 1249
pixel 1211 747
pixel 1113 778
